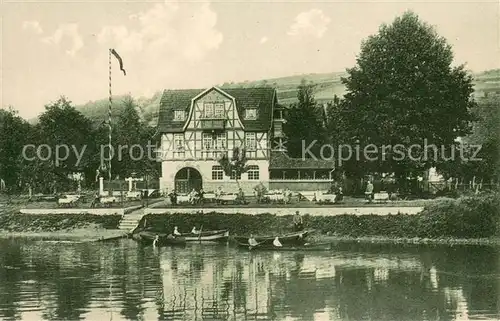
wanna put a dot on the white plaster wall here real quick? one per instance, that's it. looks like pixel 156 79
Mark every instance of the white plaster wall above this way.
pixel 170 168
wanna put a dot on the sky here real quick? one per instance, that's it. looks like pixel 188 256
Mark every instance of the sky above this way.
pixel 54 48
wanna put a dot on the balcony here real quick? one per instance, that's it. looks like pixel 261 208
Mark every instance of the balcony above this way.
pixel 213 123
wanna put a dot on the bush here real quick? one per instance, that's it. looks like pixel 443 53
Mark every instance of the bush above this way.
pixel 466 217
pixel 55 222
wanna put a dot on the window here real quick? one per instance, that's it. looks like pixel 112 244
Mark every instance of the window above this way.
pixel 217 173
pixel 233 175
pixel 219 110
pixel 250 141
pixel 253 172
pixel 179 115
pixel 208 141
pixel 179 141
pixel 220 141
pixel 208 110
pixel 251 113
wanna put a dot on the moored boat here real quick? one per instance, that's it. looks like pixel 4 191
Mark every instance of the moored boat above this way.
pixel 305 247
pixel 214 236
pixel 204 236
pixel 148 237
pixel 296 238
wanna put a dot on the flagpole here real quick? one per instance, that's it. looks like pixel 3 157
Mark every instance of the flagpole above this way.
pixel 109 122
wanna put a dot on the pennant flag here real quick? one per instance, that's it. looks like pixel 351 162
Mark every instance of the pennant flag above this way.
pixel 120 61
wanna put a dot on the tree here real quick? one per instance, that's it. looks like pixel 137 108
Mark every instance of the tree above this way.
pixel 404 90
pixel 304 124
pixel 61 124
pixel 236 165
pixel 134 136
pixel 13 136
pixel 485 138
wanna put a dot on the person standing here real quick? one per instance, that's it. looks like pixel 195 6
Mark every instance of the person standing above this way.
pixel 298 224
pixel 369 192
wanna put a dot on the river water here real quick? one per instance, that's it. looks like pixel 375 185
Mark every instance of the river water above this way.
pixel 123 281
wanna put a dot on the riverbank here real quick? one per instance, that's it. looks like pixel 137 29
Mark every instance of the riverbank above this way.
pixel 468 220
pixel 86 234
pixel 85 227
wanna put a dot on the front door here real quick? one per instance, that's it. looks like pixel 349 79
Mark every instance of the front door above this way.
pixel 187 179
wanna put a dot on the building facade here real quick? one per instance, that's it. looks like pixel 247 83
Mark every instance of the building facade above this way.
pixel 196 126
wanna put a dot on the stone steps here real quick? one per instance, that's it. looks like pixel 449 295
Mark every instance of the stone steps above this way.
pixel 129 221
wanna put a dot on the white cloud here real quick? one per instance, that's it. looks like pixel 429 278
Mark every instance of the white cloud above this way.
pixel 167 31
pixel 69 30
pixel 263 40
pixel 33 25
pixel 310 23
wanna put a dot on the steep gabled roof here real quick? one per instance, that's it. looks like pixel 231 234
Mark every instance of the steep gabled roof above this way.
pixel 280 160
pixel 263 99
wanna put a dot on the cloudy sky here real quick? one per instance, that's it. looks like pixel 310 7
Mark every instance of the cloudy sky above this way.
pixel 61 47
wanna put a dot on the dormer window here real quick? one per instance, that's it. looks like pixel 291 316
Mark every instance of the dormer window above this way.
pixel 179 115
pixel 251 113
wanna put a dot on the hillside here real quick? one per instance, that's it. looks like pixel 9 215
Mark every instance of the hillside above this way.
pixel 325 87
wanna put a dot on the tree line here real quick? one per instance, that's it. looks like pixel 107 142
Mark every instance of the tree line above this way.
pixel 62 124
pixel 403 90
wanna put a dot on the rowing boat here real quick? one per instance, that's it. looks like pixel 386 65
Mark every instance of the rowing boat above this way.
pixel 147 237
pixel 287 239
pixel 221 236
pixel 305 247
pixel 206 236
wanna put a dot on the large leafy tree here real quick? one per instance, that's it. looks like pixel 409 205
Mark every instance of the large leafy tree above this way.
pixel 403 90
pixel 13 136
pixel 61 124
pixel 304 124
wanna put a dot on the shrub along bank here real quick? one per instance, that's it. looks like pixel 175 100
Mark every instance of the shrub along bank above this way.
pixel 14 222
pixel 468 217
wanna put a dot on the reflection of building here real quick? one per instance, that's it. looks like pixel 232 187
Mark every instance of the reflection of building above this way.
pixel 197 126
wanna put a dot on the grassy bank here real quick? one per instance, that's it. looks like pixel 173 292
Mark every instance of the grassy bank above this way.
pixel 468 218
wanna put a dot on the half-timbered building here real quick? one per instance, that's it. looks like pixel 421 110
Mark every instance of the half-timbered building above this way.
pixel 196 126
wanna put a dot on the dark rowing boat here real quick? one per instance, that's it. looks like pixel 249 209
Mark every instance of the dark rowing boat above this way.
pixel 147 238
pixel 296 238
pixel 305 247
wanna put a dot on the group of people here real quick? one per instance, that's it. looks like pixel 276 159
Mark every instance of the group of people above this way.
pixel 175 234
pixel 198 196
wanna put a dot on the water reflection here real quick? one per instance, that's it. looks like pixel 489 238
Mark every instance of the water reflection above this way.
pixel 121 281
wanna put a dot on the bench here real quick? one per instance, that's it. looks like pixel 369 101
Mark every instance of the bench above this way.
pixel 382 197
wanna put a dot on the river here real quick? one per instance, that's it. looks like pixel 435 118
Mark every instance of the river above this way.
pixel 123 281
